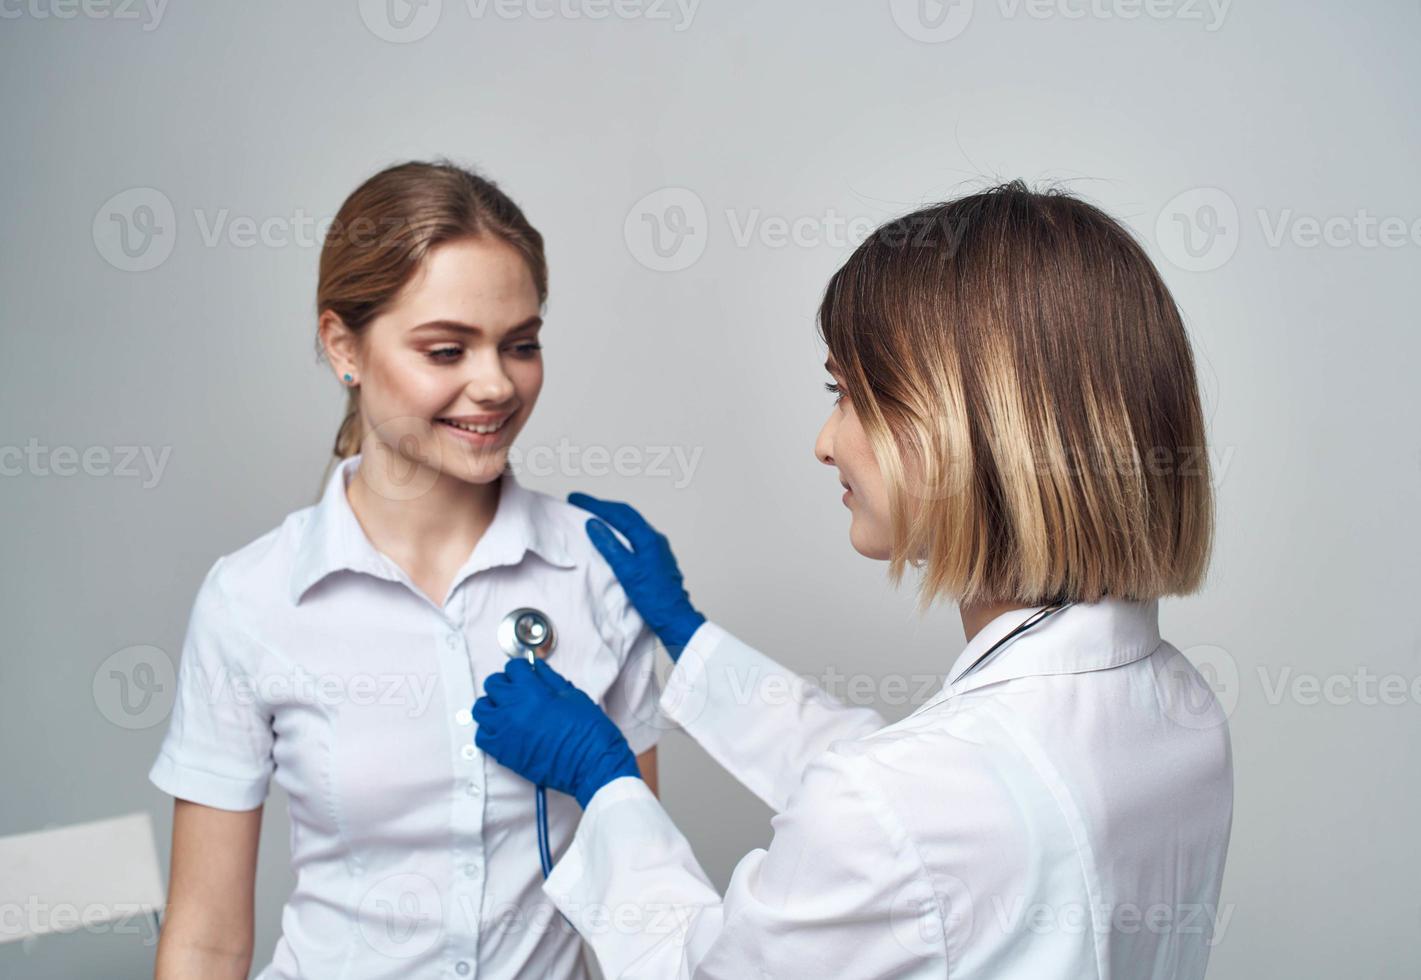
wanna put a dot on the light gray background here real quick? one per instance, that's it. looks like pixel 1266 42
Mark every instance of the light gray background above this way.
pixel 810 113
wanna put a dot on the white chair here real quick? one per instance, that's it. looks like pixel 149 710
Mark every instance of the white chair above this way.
pixel 86 876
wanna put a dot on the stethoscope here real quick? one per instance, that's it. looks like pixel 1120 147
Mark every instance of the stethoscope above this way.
pixel 1040 616
pixel 1035 619
pixel 529 633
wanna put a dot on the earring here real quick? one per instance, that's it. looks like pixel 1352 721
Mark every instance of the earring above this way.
pixel 348 378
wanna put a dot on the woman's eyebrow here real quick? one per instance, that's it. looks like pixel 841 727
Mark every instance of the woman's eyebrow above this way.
pixel 532 323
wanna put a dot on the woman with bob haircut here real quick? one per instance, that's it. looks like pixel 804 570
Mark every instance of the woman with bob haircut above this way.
pixel 1017 418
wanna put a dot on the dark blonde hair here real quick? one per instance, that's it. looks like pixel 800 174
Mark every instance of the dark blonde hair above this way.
pixel 384 230
pixel 1025 381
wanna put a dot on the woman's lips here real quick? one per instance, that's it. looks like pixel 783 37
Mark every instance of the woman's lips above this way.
pixel 477 439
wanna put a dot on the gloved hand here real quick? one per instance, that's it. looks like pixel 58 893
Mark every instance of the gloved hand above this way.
pixel 649 575
pixel 537 723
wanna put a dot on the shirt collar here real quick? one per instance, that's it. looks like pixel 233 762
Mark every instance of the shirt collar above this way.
pixel 1079 638
pixel 334 541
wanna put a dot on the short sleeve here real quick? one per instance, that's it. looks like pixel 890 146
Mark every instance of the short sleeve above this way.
pixel 218 747
pixel 633 698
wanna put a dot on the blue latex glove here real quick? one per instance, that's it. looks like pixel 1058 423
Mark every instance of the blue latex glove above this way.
pixel 649 574
pixel 537 723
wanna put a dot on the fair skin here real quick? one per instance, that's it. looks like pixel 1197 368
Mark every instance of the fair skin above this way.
pixel 843 444
pixel 459 342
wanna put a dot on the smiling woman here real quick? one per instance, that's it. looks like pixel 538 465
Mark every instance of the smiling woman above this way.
pixel 422 541
pixel 450 241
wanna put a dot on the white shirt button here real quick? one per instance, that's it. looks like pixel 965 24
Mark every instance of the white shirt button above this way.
pixel 471 869
pixel 461 967
pixel 468 751
pixel 452 640
pixel 464 716
pixel 472 788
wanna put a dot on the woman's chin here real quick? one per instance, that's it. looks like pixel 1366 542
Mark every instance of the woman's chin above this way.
pixel 483 466
pixel 867 543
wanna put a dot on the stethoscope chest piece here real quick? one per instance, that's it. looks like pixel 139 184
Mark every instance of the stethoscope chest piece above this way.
pixel 527 632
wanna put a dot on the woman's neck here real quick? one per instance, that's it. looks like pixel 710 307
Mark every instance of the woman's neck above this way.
pixel 978 614
pixel 424 519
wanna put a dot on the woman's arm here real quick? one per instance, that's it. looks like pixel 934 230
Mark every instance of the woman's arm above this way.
pixel 761 721
pixel 840 892
pixel 646 762
pixel 207 929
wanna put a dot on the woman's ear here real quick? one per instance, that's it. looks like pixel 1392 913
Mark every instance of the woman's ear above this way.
pixel 341 345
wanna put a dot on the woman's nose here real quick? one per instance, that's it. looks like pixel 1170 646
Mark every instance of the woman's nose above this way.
pixel 824 443
pixel 488 382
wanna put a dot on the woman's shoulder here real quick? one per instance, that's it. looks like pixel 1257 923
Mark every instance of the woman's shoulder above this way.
pixel 261 567
pixel 566 524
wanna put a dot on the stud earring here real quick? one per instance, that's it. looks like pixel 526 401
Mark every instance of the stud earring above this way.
pixel 348 378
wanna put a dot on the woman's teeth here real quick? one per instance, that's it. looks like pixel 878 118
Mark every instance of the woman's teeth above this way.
pixel 480 429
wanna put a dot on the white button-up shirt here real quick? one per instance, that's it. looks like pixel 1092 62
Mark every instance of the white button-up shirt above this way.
pixel 1062 811
pixel 311 656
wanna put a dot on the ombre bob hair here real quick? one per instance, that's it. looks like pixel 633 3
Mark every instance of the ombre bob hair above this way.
pixel 1024 379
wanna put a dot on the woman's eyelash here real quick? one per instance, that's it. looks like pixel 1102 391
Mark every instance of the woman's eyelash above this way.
pixel 833 389
pixel 450 354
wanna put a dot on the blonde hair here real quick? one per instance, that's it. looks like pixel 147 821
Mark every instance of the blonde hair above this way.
pixel 1024 378
pixel 382 233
